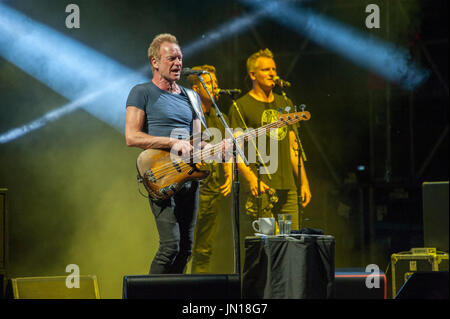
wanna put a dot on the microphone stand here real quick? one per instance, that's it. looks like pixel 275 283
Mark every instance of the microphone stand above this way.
pixel 236 150
pixel 259 161
pixel 299 163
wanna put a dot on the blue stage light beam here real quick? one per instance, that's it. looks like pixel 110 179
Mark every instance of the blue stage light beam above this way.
pixel 89 79
pixel 17 24
pixel 59 112
pixel 224 31
pixel 390 62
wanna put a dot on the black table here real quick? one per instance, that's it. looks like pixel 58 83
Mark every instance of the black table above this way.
pixel 295 266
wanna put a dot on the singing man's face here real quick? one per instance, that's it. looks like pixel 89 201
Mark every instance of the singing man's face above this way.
pixel 170 63
pixel 264 73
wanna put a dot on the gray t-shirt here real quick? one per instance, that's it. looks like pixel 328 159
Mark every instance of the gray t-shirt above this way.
pixel 164 111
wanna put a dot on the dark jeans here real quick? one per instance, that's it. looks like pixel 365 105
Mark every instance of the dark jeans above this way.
pixel 175 220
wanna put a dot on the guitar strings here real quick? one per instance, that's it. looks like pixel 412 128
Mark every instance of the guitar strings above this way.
pixel 168 169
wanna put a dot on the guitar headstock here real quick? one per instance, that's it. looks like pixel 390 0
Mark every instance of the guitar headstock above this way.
pixel 292 118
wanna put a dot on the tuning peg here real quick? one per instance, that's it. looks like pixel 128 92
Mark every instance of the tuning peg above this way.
pixel 287 109
pixel 302 107
pixel 280 110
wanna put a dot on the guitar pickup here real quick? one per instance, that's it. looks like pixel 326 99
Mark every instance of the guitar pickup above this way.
pixel 193 169
pixel 150 176
pixel 177 166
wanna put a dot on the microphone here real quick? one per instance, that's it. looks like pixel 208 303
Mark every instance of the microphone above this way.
pixel 189 71
pixel 280 82
pixel 227 91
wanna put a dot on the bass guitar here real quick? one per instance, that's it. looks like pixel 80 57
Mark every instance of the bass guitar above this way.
pixel 163 174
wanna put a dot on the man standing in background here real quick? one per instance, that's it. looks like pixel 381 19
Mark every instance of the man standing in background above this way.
pixel 259 107
pixel 210 189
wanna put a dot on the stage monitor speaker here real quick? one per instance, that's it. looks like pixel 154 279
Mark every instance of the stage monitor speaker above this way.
pixel 179 286
pixel 3 230
pixel 425 285
pixel 435 215
pixel 54 288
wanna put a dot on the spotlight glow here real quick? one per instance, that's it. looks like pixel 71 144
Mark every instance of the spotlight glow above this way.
pixel 58 113
pixel 91 80
pixel 385 59
pixel 224 31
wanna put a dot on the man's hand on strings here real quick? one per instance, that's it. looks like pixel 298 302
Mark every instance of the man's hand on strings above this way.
pixel 222 152
pixel 183 149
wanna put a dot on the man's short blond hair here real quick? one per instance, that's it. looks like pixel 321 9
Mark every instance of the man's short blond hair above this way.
pixel 154 48
pixel 193 79
pixel 251 61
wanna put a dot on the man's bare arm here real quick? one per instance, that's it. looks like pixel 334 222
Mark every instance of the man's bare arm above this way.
pixel 134 122
pixel 294 154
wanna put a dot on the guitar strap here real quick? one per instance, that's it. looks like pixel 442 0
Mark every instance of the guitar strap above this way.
pixel 197 106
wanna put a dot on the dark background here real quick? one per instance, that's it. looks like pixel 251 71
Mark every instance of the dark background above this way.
pixel 72 190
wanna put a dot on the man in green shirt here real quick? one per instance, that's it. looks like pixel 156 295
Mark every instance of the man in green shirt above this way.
pixel 257 108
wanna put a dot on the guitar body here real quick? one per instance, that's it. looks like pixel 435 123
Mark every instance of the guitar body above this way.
pixel 163 175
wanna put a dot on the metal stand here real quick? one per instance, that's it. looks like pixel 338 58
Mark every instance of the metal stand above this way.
pixel 259 161
pixel 236 150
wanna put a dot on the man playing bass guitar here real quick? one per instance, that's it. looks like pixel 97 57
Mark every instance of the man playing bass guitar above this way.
pixel 154 111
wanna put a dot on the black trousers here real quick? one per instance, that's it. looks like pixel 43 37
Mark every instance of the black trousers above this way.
pixel 175 220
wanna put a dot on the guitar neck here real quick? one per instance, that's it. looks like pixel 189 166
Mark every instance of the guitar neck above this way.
pixel 250 135
pixel 284 119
